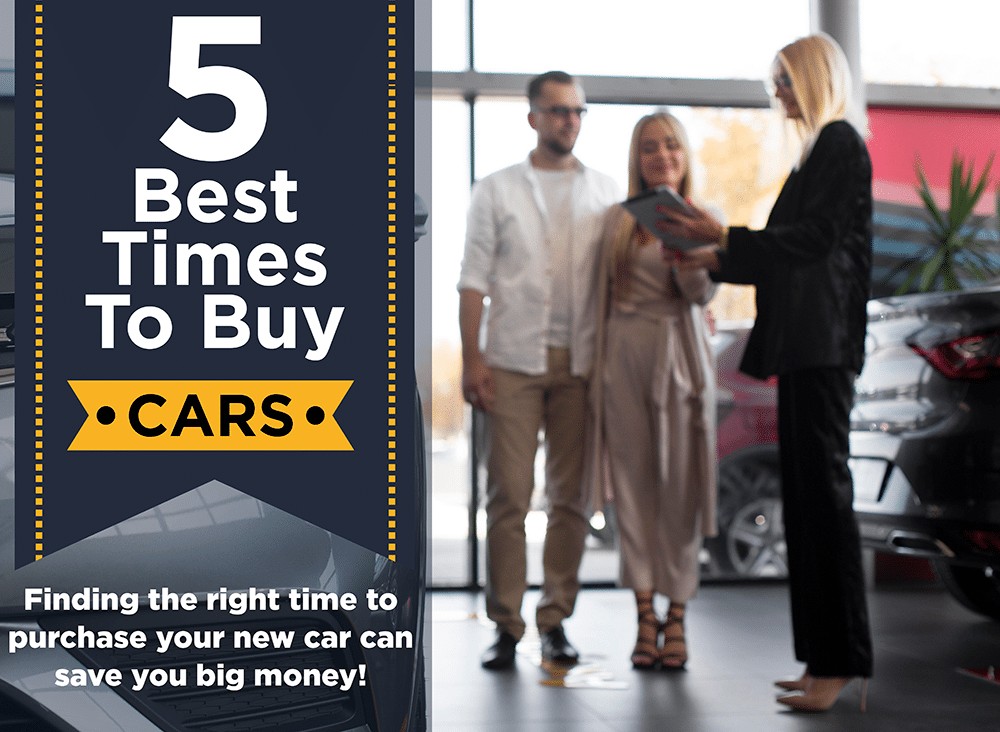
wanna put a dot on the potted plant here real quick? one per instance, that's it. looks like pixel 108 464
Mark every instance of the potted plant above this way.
pixel 955 250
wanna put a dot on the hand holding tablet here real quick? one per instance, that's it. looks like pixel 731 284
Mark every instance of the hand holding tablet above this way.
pixel 680 225
pixel 644 207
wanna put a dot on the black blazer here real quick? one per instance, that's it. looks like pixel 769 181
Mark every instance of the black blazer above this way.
pixel 811 263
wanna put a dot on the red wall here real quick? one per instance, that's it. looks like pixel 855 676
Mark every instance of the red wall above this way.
pixel 898 136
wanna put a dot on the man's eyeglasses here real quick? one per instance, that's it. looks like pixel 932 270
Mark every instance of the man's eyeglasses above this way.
pixel 563 112
pixel 782 81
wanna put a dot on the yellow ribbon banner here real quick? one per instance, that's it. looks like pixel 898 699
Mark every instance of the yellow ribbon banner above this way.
pixel 210 415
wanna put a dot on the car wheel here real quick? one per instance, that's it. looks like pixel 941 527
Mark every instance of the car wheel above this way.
pixel 751 540
pixel 978 588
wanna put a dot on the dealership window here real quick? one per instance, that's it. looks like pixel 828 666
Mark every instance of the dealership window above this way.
pixel 740 146
pixel 483 53
pixel 705 40
pixel 449 33
pixel 929 43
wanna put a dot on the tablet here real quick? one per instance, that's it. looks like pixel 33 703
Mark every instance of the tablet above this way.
pixel 643 207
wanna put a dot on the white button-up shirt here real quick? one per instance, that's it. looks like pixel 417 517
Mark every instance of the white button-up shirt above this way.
pixel 507 258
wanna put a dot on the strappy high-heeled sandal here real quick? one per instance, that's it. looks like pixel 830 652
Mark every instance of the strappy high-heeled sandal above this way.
pixel 645 655
pixel 673 654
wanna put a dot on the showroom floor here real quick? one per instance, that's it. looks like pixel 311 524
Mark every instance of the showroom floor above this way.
pixel 933 659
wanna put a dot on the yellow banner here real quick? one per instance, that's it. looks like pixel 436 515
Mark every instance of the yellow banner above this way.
pixel 210 415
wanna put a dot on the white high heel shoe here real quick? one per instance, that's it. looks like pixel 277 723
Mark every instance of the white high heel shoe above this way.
pixel 821 692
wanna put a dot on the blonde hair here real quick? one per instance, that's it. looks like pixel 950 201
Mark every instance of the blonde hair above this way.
pixel 822 85
pixel 623 247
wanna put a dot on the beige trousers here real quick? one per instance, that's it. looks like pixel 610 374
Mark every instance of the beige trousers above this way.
pixel 557 402
pixel 655 432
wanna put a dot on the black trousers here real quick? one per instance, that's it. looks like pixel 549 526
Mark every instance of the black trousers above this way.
pixel 829 610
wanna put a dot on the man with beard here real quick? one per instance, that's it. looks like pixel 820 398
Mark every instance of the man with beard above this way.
pixel 531 246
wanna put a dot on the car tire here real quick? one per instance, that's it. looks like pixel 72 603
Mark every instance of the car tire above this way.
pixel 977 588
pixel 751 540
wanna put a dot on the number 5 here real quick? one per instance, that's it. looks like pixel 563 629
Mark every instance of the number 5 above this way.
pixel 189 79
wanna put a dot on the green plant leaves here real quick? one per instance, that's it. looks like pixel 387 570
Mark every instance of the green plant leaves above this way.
pixel 954 248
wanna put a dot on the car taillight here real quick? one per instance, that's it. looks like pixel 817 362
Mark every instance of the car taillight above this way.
pixel 969 357
pixel 987 541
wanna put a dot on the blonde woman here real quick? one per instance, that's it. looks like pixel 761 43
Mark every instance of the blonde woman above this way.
pixel 654 401
pixel 811 264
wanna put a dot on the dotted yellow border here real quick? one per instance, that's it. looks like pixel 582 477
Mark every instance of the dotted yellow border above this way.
pixel 39 301
pixel 39 250
pixel 39 297
pixel 391 266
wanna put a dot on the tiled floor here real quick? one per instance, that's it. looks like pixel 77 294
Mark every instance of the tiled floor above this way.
pixel 739 641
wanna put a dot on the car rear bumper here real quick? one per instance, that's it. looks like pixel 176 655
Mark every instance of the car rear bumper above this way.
pixel 904 507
